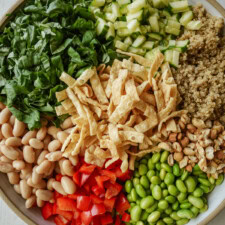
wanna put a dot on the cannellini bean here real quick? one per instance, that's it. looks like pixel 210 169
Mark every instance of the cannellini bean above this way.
pixel 2 106
pixel 28 154
pixel 17 188
pixel 62 136
pixel 68 185
pixel 41 134
pixel 57 168
pixel 74 160
pixel 58 187
pixel 36 177
pixel 41 185
pixel 19 128
pixel 61 167
pixel 40 203
pixel 1 135
pixel 49 184
pixel 44 167
pixel 54 156
pixel 28 136
pixel 50 171
pixel 26 190
pixel 13 141
pixel 9 152
pixel 67 123
pixel 35 143
pixel 14 178
pixel 30 202
pixel 6 130
pixel 44 195
pixel 19 164
pixel 27 170
pixel 37 154
pixel 5 159
pixel 53 131
pixel 5 115
pixel 54 145
pixel 46 141
pixel 6 167
pixel 12 120
pixel 69 130
pixel 41 157
pixel 67 168
pixel 25 176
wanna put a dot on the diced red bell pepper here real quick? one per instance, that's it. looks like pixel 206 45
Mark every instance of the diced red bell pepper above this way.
pixel 57 195
pixel 117 221
pixel 76 178
pixel 96 220
pixel 84 178
pixel 54 209
pixel 78 221
pixel 87 187
pixel 47 210
pixel 106 219
pixel 76 214
pixel 100 180
pixel 97 190
pixel 114 165
pixel 59 220
pixel 66 204
pixel 112 190
pixel 73 196
pixel 122 204
pixel 109 204
pixel 122 176
pixel 58 177
pixel 66 214
pixel 126 217
pixel 87 169
pixel 86 217
pixel 110 174
pixel 98 209
pixel 95 199
pixel 83 202
pixel 73 222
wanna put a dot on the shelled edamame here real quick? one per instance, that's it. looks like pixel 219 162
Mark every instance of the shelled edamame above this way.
pixel 161 194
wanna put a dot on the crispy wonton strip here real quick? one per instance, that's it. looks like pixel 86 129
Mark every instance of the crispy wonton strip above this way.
pixel 60 110
pixel 147 124
pixel 132 136
pixel 84 77
pixel 113 133
pixel 144 86
pixel 67 79
pixel 145 152
pixel 131 89
pixel 91 120
pixel 61 95
pixel 148 98
pixel 169 108
pixel 67 104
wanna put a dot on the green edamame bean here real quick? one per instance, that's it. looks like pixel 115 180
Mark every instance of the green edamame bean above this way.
pixel 154 216
pixel 173 190
pixel 152 186
pixel 133 195
pixel 158 166
pixel 163 185
pixel 205 208
pixel 196 168
pixel 169 178
pixel 140 190
pixel 190 184
pixel 132 204
pixel 185 205
pixel 144 182
pixel 164 156
pixel 211 187
pixel 147 202
pixel 204 199
pixel 148 191
pixel 151 165
pixel 205 188
pixel 160 222
pixel 184 175
pixel 198 192
pixel 197 202
pixel 140 223
pixel 144 216
pixel 136 181
pixel 150 174
pixel 195 210
pixel 166 167
pixel 157 192
pixel 129 198
pixel 152 208
pixel 136 164
pixel 144 161
pixel 182 221
pixel 138 202
pixel 165 193
pixel 162 174
pixel 197 173
pixel 168 220
pixel 175 205
pixel 181 186
pixel 135 213
pixel 174 216
pixel 128 186
pixel 155 180
pixel 171 199
pixel 185 213
pixel 204 182
pixel 181 197
pixel 203 175
pixel 142 169
pixel 156 157
pixel 136 174
pixel 220 179
pixel 148 156
pixel 168 211
pixel 176 170
pixel 163 204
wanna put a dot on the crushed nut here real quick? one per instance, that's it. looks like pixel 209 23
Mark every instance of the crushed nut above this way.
pixel 177 147
pixel 209 152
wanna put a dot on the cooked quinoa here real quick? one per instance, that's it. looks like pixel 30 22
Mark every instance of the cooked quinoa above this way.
pixel 201 77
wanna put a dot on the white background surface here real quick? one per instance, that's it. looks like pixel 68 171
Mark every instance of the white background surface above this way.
pixel 7 217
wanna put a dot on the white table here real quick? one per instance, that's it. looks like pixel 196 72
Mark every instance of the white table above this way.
pixel 7 217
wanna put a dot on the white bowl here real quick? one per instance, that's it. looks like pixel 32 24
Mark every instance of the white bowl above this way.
pixel 216 199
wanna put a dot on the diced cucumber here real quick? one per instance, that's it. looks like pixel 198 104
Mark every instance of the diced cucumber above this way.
pixel 172 57
pixel 166 13
pixel 155 36
pixel 123 32
pixel 174 24
pixel 138 51
pixel 123 2
pixel 102 27
pixel 128 41
pixel 165 2
pixel 145 29
pixel 158 3
pixel 151 54
pixel 172 30
pixel 108 8
pixel 153 20
pixel 186 17
pixel 98 3
pixel 116 9
pixel 123 9
pixel 148 45
pixel 179 6
pixel 132 25
pixel 110 17
pixel 194 25
pixel 182 44
pixel 122 46
pixel 120 24
pixel 139 41
pixel 137 15
pixel 175 17
pixel 136 6
pixel 172 43
pixel 111 31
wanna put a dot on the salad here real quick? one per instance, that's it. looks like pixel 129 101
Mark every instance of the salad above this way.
pixel 96 127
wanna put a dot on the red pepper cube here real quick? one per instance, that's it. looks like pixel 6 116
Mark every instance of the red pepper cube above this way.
pixel 100 180
pixel 109 204
pixel 112 190
pixel 86 217
pixel 47 210
pixel 126 217
pixel 66 204
pixel 83 202
pixel 98 209
pixel 122 204
pixel 106 219
pixel 87 169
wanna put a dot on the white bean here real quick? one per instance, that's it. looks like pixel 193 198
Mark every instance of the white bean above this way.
pixel 12 120
pixel 68 168
pixel 44 195
pixel 58 187
pixel 13 141
pixel 74 160
pixel 2 106
pixel 54 156
pixel 67 123
pixel 19 164
pixel 54 145
pixel 5 159
pixel 5 115
pixel 27 170
pixel 17 188
pixel 1 135
pixel 44 167
pixel 53 131
pixel 49 184
pixel 41 185
pixel 41 157
pixel 68 185
pixel 41 134
pixel 19 128
pixel 62 136
pixel 28 154
pixel 9 152
pixel 35 143
pixel 28 136
pixel 46 141
pixel 14 178
pixel 26 190
pixel 36 177
pixel 30 202
pixel 6 167
pixel 40 203
pixel 6 130
pixel 50 171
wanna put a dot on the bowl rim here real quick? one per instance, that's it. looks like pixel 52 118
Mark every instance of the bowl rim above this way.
pixel 16 210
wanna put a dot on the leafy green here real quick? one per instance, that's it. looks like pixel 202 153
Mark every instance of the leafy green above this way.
pixel 44 39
